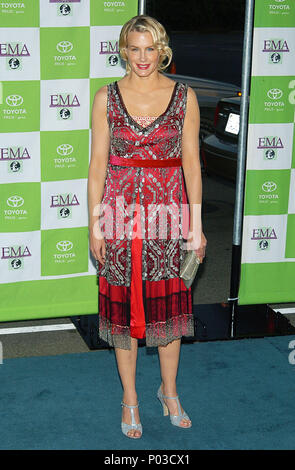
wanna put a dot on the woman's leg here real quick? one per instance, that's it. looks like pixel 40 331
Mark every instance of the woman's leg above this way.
pixel 126 361
pixel 169 359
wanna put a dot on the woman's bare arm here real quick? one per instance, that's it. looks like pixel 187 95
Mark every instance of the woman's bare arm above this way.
pixel 100 143
pixel 192 171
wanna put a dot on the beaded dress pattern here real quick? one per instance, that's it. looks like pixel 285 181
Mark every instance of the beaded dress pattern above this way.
pixel 166 304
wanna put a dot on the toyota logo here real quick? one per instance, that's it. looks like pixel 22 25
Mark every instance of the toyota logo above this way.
pixel 65 149
pixel 64 46
pixel 269 186
pixel 14 100
pixel 274 93
pixel 64 245
pixel 15 201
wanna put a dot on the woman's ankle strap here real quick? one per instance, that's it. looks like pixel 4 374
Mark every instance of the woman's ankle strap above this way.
pixel 129 406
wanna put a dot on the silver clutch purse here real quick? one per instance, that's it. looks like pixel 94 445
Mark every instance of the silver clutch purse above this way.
pixel 189 267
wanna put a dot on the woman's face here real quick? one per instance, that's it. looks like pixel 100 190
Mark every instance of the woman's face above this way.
pixel 142 55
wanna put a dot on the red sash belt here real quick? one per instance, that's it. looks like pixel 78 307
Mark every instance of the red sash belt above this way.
pixel 115 160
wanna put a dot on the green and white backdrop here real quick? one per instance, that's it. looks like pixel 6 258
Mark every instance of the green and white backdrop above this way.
pixel 268 244
pixel 54 55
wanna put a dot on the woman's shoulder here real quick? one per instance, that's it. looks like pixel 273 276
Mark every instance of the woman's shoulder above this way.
pixel 100 97
pixel 101 92
pixel 190 91
pixel 191 94
pixel 191 100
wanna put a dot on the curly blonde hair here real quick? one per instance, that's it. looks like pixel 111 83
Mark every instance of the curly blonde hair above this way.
pixel 142 24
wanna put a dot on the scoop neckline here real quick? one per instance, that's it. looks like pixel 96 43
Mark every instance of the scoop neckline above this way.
pixel 157 117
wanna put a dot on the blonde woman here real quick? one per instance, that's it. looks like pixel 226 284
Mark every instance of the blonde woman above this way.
pixel 145 156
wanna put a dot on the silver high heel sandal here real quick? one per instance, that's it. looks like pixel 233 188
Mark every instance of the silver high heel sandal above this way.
pixel 128 427
pixel 175 419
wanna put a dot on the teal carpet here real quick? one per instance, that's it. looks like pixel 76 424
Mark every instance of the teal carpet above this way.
pixel 239 395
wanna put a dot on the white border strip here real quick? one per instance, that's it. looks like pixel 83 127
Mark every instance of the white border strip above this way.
pixel 37 329
pixel 284 311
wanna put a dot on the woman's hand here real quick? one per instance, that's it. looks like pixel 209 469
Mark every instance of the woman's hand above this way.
pixel 197 243
pixel 97 246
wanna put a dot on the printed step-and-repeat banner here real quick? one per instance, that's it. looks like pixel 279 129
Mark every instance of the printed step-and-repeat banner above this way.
pixel 54 55
pixel 268 246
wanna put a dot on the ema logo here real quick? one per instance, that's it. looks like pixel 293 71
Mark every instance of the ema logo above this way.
pixel 64 150
pixel 270 146
pixel 65 9
pixel 14 53
pixel 63 102
pixel 263 236
pixel 15 256
pixel 64 247
pixel 275 49
pixel 111 50
pixel 64 204
pixel 14 157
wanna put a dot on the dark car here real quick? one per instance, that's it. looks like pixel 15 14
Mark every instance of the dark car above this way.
pixel 209 93
pixel 219 150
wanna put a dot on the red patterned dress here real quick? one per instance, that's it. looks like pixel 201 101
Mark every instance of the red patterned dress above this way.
pixel 140 292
